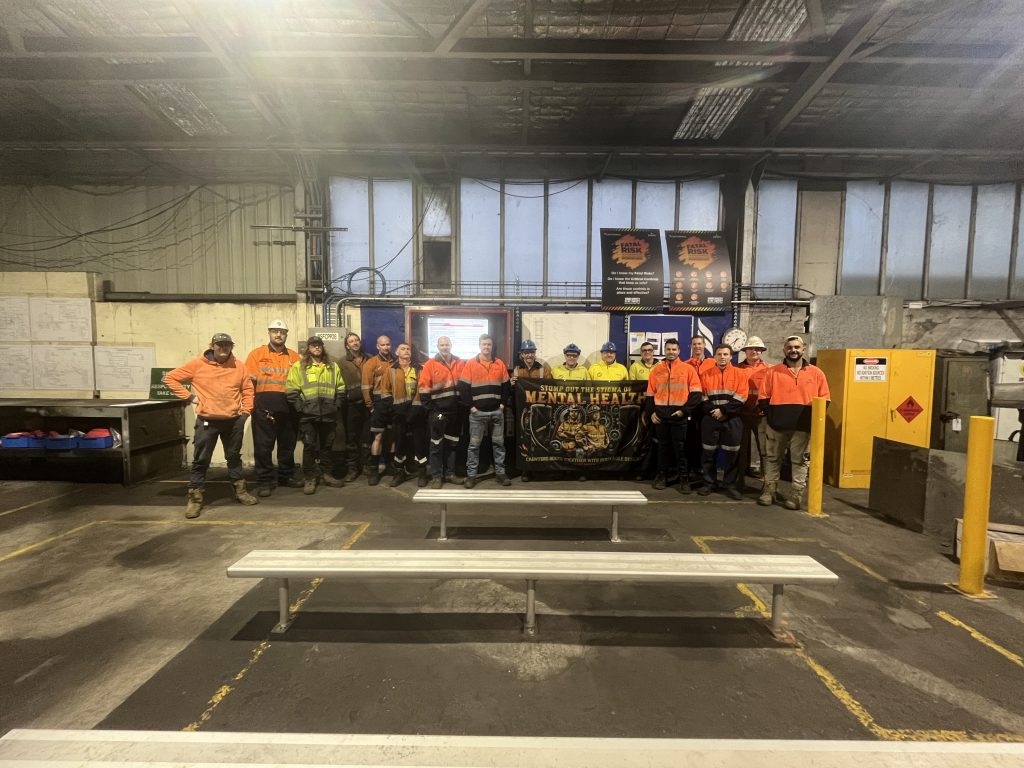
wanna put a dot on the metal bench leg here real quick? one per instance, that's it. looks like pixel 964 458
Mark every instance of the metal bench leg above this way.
pixel 777 605
pixel 283 603
pixel 615 525
pixel 443 533
pixel 531 607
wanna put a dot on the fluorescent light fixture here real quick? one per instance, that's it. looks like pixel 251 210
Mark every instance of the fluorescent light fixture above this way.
pixel 712 112
pixel 182 107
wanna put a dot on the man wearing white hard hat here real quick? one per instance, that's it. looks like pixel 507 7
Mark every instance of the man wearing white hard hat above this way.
pixel 754 436
pixel 273 422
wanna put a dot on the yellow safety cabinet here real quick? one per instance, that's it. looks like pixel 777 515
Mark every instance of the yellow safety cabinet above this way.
pixel 875 393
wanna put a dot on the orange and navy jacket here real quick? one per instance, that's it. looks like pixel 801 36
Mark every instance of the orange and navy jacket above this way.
pixel 482 385
pixel 222 390
pixel 701 364
pixel 536 371
pixel 786 395
pixel 373 371
pixel 394 389
pixel 439 382
pixel 755 376
pixel 724 388
pixel 671 387
pixel 269 373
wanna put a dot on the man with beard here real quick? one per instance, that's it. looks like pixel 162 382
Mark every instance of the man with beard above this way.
pixel 399 393
pixel 373 372
pixel 438 393
pixel 725 392
pixel 786 395
pixel 315 391
pixel 527 365
pixel 355 414
pixel 753 420
pixel 673 392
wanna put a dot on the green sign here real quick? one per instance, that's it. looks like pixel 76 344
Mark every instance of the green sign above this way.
pixel 157 389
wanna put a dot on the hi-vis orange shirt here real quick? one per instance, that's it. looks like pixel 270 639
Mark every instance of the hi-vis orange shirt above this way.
pixel 439 383
pixel 701 364
pixel 755 378
pixel 673 386
pixel 786 395
pixel 269 372
pixel 222 391
pixel 724 388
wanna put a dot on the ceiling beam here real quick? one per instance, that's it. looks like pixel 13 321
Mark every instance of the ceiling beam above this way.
pixel 817 77
pixel 458 27
pixel 815 20
pixel 910 29
pixel 406 19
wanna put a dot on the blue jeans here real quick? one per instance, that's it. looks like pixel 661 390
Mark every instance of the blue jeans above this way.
pixel 480 423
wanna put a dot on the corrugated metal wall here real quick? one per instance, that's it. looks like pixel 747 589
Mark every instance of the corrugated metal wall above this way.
pixel 156 239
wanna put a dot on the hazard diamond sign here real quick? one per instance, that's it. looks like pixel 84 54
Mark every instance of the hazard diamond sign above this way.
pixel 909 409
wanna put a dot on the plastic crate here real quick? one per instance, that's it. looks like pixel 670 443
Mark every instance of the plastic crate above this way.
pixel 65 443
pixel 96 442
pixel 23 442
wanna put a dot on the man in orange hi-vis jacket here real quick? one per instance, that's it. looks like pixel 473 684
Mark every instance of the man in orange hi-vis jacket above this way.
pixel 725 392
pixel 673 392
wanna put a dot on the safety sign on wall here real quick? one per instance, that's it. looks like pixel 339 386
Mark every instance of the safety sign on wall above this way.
pixel 870 368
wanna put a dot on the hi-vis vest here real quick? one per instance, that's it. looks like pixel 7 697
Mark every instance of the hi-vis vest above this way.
pixel 314 391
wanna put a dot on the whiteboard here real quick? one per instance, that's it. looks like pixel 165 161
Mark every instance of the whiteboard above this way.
pixel 551 331
pixel 14 318
pixel 16 372
pixel 120 369
pixel 62 366
pixel 60 319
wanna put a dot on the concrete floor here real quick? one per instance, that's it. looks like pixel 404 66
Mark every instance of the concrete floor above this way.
pixel 115 613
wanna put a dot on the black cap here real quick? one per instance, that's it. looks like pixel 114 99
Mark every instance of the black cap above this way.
pixel 314 340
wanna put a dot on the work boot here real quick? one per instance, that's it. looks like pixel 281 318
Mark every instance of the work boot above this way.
pixel 291 482
pixel 470 482
pixel 437 483
pixel 332 481
pixel 767 497
pixel 734 494
pixel 421 478
pixel 373 475
pixel 353 473
pixel 194 504
pixel 704 490
pixel 264 491
pixel 242 496
pixel 309 487
pixel 400 477
pixel 793 500
pixel 659 482
pixel 503 480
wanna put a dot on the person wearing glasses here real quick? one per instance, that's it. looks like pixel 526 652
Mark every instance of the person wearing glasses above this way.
pixel 571 369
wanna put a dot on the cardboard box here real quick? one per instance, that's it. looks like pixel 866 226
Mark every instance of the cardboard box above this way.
pixel 1004 558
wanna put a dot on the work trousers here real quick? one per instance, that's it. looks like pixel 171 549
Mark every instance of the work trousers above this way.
pixel 208 431
pixel 726 435
pixel 357 434
pixel 317 442
pixel 693 443
pixel 797 444
pixel 671 435
pixel 486 423
pixel 445 431
pixel 270 429
pixel 410 428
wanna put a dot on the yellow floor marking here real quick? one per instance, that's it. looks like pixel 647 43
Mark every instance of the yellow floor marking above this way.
pixel 984 640
pixel 41 501
pixel 257 653
pixel 271 523
pixel 836 688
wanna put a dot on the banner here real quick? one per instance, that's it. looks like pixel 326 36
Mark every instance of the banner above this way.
pixel 580 424
pixel 700 270
pixel 632 273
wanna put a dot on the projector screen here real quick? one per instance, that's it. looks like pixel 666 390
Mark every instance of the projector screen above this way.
pixel 464 332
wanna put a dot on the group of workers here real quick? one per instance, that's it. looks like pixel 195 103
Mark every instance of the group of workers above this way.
pixel 352 412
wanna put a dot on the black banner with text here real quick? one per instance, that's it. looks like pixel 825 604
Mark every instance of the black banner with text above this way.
pixel 580 424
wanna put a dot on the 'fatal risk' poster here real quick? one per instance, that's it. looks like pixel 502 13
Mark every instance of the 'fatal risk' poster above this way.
pixel 632 274
pixel 700 271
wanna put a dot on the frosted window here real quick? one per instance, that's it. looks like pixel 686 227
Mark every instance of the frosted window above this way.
pixel 862 238
pixel 392 231
pixel 947 261
pixel 699 204
pixel 613 208
pixel 524 239
pixel 908 223
pixel 479 236
pixel 437 215
pixel 656 209
pixel 1017 289
pixel 775 245
pixel 567 238
pixel 350 207
pixel 993 237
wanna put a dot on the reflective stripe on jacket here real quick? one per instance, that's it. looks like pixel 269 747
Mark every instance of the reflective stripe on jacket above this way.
pixel 536 371
pixel 483 385
pixel 672 387
pixel 724 388
pixel 755 377
pixel 439 382
pixel 315 391
pixel 373 369
pixel 269 373
pixel 394 385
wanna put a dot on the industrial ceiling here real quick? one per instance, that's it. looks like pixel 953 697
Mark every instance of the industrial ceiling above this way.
pixel 156 91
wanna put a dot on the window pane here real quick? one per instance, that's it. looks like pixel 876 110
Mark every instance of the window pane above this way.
pixel 947 261
pixel 437 215
pixel 524 238
pixel 993 235
pixel 567 238
pixel 613 207
pixel 862 238
pixel 699 204
pixel 437 265
pixel 775 243
pixel 1017 289
pixel 392 232
pixel 350 207
pixel 479 236
pixel 908 222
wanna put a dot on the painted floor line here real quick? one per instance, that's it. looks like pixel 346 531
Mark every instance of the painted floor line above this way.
pixel 34 503
pixel 257 653
pixel 983 639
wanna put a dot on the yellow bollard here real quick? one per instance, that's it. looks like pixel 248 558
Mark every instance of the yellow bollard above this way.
pixel 817 451
pixel 977 495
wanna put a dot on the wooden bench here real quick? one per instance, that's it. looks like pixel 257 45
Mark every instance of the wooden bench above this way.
pixel 614 567
pixel 89 749
pixel 484 499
